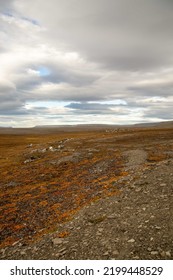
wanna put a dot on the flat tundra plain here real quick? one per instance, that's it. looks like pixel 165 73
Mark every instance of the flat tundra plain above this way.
pixel 88 193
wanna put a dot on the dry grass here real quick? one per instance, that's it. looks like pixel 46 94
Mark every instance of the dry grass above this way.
pixel 37 195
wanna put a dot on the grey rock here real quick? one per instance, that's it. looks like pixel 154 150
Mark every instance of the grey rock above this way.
pixel 157 227
pixel 168 254
pixel 12 184
pixel 163 185
pixel 131 240
pixel 57 241
pixel 106 254
pixel 115 253
pixel 27 161
pixel 23 253
pixel 154 253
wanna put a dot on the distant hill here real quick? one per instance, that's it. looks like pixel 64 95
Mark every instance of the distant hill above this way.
pixel 80 127
pixel 155 124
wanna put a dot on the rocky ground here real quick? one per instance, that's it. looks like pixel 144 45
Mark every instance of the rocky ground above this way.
pixel 136 223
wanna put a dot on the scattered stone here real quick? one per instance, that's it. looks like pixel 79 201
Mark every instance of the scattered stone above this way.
pixel 27 161
pixel 162 254
pixel 62 250
pixel 168 254
pixel 12 184
pixel 57 255
pixel 23 253
pixel 60 146
pixel 158 228
pixel 16 242
pixel 136 257
pixel 131 240
pixel 154 253
pixel 52 149
pixel 163 185
pixel 115 253
pixel 100 229
pixel 112 216
pixel 138 190
pixel 57 241
pixel 106 254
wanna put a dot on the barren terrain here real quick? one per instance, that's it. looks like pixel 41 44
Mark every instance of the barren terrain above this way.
pixel 88 193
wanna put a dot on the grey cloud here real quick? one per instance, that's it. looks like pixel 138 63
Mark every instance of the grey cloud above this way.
pixel 95 108
pixel 12 107
pixel 6 5
pixel 163 113
pixel 91 106
pixel 126 34
pixel 160 89
pixel 60 73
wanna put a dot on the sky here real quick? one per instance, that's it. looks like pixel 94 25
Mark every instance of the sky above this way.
pixel 85 61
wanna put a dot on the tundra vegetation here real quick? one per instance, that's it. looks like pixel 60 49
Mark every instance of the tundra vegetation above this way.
pixel 47 177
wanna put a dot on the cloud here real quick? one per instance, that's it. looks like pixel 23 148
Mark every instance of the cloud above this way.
pixel 96 108
pixel 87 54
pixel 134 35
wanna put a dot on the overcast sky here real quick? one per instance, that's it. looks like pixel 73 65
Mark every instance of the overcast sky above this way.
pixel 85 61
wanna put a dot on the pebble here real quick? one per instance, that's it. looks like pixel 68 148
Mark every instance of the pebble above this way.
pixel 158 228
pixel 163 185
pixel 57 255
pixel 106 254
pixel 62 251
pixel 115 253
pixel 138 190
pixel 23 253
pixel 100 229
pixel 162 254
pixel 131 240
pixel 154 253
pixel 168 254
pixel 57 241
pixel 112 217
